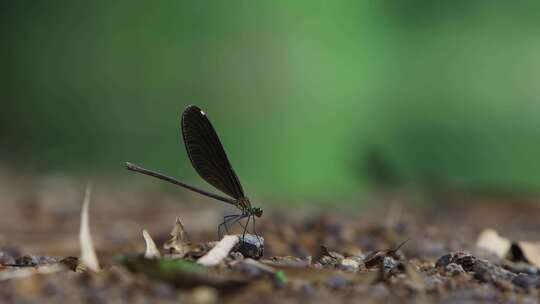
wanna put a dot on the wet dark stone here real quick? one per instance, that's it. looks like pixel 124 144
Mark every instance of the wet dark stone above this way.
pixel 250 246
pixel 444 260
pixel 454 269
pixel 465 260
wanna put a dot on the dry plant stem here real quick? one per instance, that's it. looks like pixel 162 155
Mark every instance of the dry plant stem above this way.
pixel 220 251
pixel 151 251
pixel 88 253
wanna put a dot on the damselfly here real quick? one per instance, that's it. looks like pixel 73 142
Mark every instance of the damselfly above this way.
pixel 211 163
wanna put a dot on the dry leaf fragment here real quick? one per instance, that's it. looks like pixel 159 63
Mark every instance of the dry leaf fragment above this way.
pixel 88 253
pixel 491 241
pixel 178 243
pixel 151 251
pixel 529 250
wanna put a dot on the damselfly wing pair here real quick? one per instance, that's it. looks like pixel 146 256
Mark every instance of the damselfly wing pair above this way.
pixel 208 157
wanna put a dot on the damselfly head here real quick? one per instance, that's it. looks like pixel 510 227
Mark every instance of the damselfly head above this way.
pixel 257 212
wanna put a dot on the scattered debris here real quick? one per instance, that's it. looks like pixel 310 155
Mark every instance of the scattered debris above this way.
pixel 88 253
pixel 181 273
pixel 311 259
pixel 151 251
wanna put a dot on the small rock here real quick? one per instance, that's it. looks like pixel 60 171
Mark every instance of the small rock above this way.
pixel 250 246
pixel 329 258
pixel 349 264
pixel 454 269
pixel 444 260
pixel 27 260
pixel 464 259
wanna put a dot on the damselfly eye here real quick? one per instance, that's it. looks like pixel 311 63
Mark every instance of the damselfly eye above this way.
pixel 258 212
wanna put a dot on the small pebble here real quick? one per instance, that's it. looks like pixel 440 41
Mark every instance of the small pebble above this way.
pixel 250 246
pixel 443 260
pixel 27 260
pixel 349 265
pixel 454 269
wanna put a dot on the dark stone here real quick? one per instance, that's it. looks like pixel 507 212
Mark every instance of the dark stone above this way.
pixel 465 260
pixel 444 260
pixel 250 246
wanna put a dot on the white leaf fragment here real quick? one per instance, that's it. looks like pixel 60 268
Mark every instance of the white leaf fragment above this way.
pixel 88 253
pixel 491 241
pixel 220 251
pixel 151 251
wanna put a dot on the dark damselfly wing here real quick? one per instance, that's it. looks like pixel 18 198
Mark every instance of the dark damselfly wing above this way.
pixel 207 154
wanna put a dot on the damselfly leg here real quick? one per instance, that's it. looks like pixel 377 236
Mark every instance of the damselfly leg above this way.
pixel 226 221
pixel 255 232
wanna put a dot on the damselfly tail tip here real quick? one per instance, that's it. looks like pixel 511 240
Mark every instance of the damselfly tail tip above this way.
pixel 129 165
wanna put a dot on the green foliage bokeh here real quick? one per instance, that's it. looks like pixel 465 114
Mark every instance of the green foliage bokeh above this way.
pixel 299 91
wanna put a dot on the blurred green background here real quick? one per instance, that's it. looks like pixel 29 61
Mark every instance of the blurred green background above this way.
pixel 311 99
